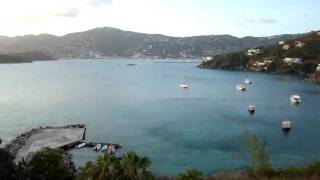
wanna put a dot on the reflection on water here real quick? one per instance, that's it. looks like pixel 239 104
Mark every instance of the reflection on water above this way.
pixel 143 108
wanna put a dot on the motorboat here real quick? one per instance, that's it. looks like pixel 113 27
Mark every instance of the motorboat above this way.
pixel 286 125
pixel 295 99
pixel 252 109
pixel 81 145
pixel 240 87
pixel 104 148
pixel 97 147
pixel 247 81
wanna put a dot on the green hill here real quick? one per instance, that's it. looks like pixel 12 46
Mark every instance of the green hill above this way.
pixel 299 56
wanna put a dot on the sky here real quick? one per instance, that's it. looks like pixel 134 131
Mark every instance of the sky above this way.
pixel 170 17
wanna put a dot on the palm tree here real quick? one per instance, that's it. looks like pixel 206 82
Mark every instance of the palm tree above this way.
pixel 107 167
pixel 135 167
pixel 86 172
pixel 190 174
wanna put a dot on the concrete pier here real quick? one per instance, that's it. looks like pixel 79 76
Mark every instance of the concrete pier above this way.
pixel 56 137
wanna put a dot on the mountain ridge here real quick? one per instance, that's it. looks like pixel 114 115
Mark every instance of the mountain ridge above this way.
pixel 112 42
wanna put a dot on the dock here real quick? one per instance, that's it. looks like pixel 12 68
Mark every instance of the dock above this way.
pixel 64 137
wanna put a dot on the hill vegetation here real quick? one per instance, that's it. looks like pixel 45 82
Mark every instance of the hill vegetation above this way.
pixel 300 56
pixel 24 57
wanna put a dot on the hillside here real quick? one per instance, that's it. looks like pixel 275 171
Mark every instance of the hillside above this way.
pixel 111 42
pixel 299 56
pixel 24 57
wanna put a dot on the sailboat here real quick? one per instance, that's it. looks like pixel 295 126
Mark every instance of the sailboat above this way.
pixel 184 84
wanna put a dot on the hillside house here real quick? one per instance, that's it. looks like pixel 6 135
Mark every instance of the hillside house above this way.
pixel 298 44
pixel 208 58
pixel 285 46
pixel 292 60
pixel 252 52
pixel 281 42
pixel 318 68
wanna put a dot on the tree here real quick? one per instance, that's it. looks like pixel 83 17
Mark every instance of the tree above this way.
pixel 108 167
pixel 259 164
pixel 7 166
pixel 127 167
pixel 190 174
pixel 135 167
pixel 47 164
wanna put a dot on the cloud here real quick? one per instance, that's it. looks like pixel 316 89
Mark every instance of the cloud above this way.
pixel 71 12
pixel 99 2
pixel 267 21
pixel 306 16
pixel 261 21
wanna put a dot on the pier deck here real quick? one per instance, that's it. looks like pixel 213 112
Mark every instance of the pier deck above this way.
pixel 52 138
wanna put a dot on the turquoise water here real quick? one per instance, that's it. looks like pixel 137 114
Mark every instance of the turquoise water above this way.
pixel 143 108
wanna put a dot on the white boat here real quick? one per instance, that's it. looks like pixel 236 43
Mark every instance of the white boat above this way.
pixel 252 108
pixel 286 125
pixel 97 147
pixel 247 81
pixel 81 145
pixel 295 99
pixel 184 85
pixel 111 149
pixel 240 87
pixel 104 148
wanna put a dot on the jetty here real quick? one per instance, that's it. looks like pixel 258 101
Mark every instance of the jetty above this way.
pixel 64 137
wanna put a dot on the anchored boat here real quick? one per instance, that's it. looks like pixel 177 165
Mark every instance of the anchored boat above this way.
pixel 286 125
pixel 247 81
pixel 240 87
pixel 295 99
pixel 252 109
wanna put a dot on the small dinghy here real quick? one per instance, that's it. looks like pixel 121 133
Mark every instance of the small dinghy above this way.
pixel 286 125
pixel 247 81
pixel 240 87
pixel 81 145
pixel 104 148
pixel 111 149
pixel 252 109
pixel 295 99
pixel 97 147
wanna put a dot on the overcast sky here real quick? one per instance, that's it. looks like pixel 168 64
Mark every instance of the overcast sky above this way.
pixel 169 17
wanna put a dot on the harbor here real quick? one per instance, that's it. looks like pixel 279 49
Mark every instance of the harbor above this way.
pixel 64 137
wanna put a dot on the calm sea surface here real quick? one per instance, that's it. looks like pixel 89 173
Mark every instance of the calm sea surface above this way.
pixel 143 108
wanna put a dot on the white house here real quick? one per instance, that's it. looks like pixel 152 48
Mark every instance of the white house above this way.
pixel 292 60
pixel 281 42
pixel 208 58
pixel 318 68
pixel 252 52
pixel 298 44
pixel 285 46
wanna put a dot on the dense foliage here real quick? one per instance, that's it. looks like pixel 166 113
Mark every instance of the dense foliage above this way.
pixel 48 164
pixel 127 167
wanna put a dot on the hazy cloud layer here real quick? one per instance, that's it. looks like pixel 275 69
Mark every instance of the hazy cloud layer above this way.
pixel 262 21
